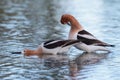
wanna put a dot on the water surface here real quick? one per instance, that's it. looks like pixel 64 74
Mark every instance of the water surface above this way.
pixel 27 23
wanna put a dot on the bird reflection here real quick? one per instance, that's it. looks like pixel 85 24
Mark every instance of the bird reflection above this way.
pixel 53 61
pixel 85 59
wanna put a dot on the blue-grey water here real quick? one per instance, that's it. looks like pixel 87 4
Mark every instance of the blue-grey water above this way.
pixel 27 23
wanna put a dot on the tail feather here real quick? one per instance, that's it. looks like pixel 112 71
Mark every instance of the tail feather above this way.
pixel 107 45
pixel 112 45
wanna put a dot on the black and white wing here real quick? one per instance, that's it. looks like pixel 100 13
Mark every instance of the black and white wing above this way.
pixel 70 42
pixel 89 39
pixel 59 43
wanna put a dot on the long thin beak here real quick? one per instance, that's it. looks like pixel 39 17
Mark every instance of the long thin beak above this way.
pixel 68 24
pixel 16 52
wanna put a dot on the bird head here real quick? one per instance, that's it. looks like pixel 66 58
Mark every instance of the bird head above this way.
pixel 65 19
pixel 28 52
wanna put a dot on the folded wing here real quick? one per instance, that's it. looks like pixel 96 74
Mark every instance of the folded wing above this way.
pixel 89 39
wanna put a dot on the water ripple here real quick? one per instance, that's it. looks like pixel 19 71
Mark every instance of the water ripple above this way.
pixel 27 23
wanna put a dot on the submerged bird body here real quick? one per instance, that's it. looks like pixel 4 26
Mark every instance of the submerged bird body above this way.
pixel 52 47
pixel 89 43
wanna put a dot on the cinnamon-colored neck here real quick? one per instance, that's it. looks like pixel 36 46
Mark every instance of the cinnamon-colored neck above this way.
pixel 33 52
pixel 75 25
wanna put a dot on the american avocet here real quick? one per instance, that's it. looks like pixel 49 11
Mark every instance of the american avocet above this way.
pixel 88 43
pixel 51 46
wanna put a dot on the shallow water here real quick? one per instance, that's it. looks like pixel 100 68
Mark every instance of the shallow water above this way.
pixel 27 23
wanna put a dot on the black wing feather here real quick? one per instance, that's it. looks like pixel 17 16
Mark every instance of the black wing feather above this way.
pixel 84 32
pixel 55 43
pixel 59 43
pixel 71 42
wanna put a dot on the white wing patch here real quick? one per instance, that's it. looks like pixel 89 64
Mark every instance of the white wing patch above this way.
pixel 52 42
